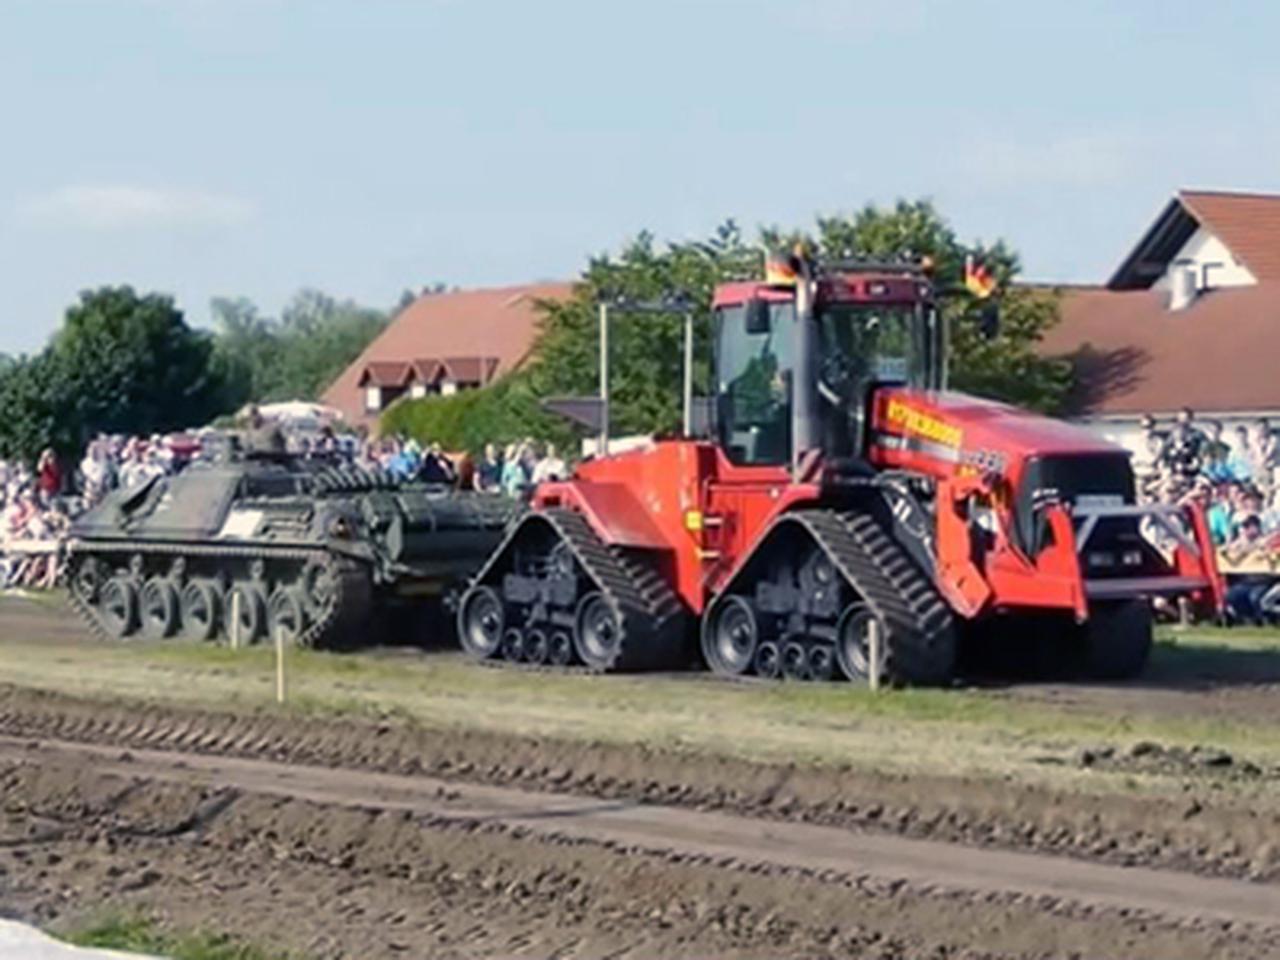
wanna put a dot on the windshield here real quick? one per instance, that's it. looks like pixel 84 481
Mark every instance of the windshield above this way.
pixel 859 343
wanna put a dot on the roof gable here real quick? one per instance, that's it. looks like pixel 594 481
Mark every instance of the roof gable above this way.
pixel 1247 223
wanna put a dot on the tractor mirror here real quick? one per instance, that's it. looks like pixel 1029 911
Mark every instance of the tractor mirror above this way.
pixel 989 320
pixel 757 316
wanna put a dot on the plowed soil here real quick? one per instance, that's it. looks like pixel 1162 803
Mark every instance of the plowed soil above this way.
pixel 358 837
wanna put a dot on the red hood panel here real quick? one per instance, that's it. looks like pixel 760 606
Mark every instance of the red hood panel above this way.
pixel 974 423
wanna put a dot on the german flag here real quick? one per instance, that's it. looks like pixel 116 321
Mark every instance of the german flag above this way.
pixel 780 270
pixel 978 279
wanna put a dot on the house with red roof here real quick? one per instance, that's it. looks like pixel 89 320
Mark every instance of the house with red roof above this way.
pixel 1190 318
pixel 440 344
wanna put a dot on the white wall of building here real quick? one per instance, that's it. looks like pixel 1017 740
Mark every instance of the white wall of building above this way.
pixel 1202 249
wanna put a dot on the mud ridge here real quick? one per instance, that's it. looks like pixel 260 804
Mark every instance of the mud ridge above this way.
pixel 1195 830
pixel 336 882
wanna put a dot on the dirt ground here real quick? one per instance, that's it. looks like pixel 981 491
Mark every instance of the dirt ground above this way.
pixel 337 834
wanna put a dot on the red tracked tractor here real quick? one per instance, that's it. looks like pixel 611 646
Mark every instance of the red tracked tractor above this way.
pixel 844 516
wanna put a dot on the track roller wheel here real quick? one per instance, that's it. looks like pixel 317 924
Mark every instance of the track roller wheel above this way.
pixel 158 608
pixel 560 649
pixel 853 641
pixel 537 646
pixel 200 610
pixel 730 636
pixel 597 634
pixel 795 661
pixel 480 622
pixel 822 662
pixel 768 662
pixel 118 603
pixel 253 613
pixel 285 614
pixel 513 644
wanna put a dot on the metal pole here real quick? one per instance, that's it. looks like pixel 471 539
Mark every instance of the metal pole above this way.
pixel 235 619
pixel 603 441
pixel 688 373
pixel 280 663
pixel 873 654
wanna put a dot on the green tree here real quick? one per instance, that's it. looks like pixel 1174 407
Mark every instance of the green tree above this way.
pixel 296 356
pixel 120 363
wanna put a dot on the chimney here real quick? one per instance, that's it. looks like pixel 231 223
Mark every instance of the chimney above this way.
pixel 1182 287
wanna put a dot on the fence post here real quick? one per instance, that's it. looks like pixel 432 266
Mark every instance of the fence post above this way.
pixel 235 619
pixel 873 653
pixel 280 663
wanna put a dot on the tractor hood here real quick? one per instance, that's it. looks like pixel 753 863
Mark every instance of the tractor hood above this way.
pixel 958 429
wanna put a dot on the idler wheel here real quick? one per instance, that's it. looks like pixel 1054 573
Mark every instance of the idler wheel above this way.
pixel 87 580
pixel 853 641
pixel 118 607
pixel 481 620
pixel 159 608
pixel 597 635
pixel 200 610
pixel 730 636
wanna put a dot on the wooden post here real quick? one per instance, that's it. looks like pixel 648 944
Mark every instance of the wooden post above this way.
pixel 235 619
pixel 280 663
pixel 873 653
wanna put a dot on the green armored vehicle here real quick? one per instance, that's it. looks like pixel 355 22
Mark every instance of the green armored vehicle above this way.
pixel 313 548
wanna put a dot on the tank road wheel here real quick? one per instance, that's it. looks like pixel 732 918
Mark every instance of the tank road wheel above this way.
pixel 730 636
pixel 513 644
pixel 159 608
pixel 536 646
pixel 597 633
pixel 795 661
pixel 480 622
pixel 253 612
pixel 199 603
pixel 560 649
pixel 1116 640
pixel 118 603
pixel 319 589
pixel 768 660
pixel 285 614
pixel 87 581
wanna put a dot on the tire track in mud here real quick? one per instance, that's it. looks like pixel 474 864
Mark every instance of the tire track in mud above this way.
pixel 335 863
pixel 725 840
pixel 1199 830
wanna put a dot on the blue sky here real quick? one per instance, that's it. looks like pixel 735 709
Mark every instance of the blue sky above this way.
pixel 251 147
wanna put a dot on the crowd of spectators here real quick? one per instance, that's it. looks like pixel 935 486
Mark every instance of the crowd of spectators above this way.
pixel 1235 476
pixel 513 471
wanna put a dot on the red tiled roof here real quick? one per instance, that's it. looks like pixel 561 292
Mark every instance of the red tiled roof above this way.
pixel 489 331
pixel 1248 223
pixel 1133 355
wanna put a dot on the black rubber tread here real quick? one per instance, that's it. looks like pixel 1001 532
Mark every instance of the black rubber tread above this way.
pixel 1116 640
pixel 651 616
pixel 920 637
pixel 345 619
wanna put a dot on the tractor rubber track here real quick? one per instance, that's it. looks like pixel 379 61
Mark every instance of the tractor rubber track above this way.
pixel 651 617
pixel 349 610
pixel 920 644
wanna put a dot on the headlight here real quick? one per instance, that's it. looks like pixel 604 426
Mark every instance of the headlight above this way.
pixel 1132 558
pixel 1100 559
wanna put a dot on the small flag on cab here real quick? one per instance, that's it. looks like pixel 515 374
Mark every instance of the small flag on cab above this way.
pixel 978 279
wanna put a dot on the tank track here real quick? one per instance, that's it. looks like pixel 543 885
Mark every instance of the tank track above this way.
pixel 920 644
pixel 651 616
pixel 349 609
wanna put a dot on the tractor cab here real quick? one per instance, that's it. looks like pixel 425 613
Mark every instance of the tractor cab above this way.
pixel 798 357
